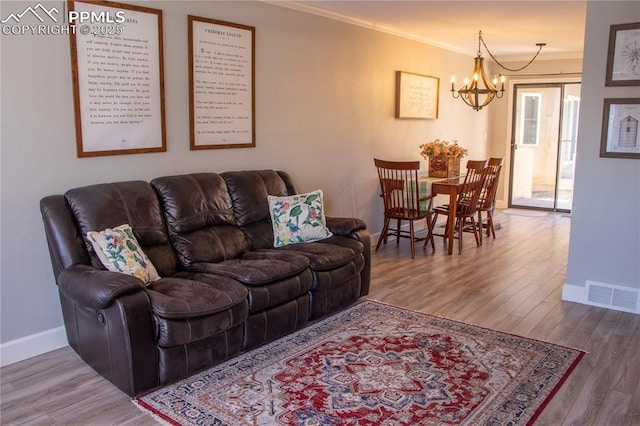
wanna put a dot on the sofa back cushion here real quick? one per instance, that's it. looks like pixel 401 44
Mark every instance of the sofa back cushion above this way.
pixel 109 205
pixel 249 191
pixel 200 218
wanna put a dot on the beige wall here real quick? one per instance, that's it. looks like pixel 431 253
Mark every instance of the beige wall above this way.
pixel 325 94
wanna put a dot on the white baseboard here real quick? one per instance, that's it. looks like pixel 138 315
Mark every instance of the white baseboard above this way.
pixel 33 345
pixel 604 295
pixel 574 293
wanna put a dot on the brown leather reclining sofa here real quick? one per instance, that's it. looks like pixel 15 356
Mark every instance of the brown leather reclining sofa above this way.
pixel 224 288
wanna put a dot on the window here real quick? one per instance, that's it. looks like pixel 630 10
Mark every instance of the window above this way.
pixel 530 118
pixel 570 129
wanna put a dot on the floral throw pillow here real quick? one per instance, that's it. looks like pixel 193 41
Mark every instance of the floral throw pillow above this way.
pixel 298 218
pixel 119 251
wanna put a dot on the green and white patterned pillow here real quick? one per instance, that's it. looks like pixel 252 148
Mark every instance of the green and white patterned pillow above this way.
pixel 298 218
pixel 119 251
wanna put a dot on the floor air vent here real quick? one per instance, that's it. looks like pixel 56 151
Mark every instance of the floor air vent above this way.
pixel 613 297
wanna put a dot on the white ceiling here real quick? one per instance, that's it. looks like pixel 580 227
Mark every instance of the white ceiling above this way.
pixel 510 29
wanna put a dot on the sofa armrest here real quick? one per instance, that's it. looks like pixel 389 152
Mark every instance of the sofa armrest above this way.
pixel 345 225
pixel 356 229
pixel 96 288
pixel 364 237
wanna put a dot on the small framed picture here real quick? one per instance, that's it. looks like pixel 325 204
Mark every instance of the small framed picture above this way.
pixel 620 128
pixel 416 95
pixel 623 58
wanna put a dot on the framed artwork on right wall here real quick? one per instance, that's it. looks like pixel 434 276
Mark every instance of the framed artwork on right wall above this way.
pixel 623 57
pixel 620 132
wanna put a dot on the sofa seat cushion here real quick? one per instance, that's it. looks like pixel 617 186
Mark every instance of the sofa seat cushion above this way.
pixel 194 295
pixel 328 280
pixel 328 254
pixel 263 297
pixel 191 306
pixel 174 332
pixel 256 268
pixel 271 277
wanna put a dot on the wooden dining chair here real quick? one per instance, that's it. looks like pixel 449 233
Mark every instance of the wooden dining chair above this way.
pixel 487 199
pixel 466 204
pixel 400 192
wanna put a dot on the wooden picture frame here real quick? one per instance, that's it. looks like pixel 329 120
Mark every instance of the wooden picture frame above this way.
pixel 620 130
pixel 623 57
pixel 221 84
pixel 118 80
pixel 416 95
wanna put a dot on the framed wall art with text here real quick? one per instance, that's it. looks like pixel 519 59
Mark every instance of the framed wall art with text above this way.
pixel 118 78
pixel 221 84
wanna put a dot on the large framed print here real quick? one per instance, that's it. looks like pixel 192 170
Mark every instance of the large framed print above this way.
pixel 623 58
pixel 416 95
pixel 221 84
pixel 118 78
pixel 620 128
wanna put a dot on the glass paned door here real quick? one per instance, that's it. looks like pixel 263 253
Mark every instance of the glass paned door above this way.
pixel 568 144
pixel 544 135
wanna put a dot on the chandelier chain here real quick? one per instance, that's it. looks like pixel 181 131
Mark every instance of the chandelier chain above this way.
pixel 481 40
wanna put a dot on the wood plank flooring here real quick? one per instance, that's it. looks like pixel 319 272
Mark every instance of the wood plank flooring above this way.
pixel 512 284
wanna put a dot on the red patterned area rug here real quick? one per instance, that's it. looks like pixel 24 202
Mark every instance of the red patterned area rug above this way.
pixel 374 364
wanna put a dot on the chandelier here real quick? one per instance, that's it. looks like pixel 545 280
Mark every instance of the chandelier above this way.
pixel 479 91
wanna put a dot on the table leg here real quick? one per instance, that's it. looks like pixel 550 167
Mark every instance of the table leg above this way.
pixel 453 206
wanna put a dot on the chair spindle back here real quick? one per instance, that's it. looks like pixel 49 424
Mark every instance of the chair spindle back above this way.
pixel 471 188
pixel 490 187
pixel 399 186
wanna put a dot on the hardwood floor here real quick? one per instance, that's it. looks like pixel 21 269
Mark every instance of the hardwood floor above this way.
pixel 512 284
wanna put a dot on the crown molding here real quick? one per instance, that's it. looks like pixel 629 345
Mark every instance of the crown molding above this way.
pixel 377 26
pixel 372 25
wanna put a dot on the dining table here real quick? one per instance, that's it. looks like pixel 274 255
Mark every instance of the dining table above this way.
pixel 445 186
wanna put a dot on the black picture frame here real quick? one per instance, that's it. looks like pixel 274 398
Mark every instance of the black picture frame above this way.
pixel 623 57
pixel 620 129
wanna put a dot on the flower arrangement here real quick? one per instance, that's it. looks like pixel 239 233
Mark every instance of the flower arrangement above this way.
pixel 438 148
